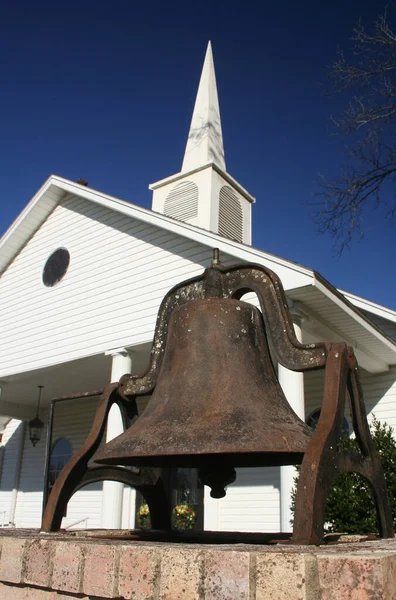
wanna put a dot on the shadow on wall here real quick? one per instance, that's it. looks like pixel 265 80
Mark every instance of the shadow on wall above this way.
pixel 166 242
pixel 149 234
pixel 212 131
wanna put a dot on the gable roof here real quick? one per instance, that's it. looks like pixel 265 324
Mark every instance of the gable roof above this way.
pixel 56 188
pixel 304 284
pixel 340 319
pixel 371 307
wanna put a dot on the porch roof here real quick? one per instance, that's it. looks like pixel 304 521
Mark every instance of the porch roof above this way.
pixel 331 315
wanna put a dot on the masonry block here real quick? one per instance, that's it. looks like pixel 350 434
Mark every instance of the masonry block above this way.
pixel 67 567
pixel 99 570
pixel 357 577
pixel 139 572
pixel 11 563
pixel 286 576
pixel 181 574
pixel 226 575
pixel 38 566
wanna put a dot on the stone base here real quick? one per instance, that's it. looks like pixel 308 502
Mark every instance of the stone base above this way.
pixel 62 566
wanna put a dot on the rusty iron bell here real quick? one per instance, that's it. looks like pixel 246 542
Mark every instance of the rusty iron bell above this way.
pixel 217 403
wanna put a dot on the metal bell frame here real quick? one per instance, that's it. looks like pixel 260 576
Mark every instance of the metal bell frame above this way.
pixel 322 461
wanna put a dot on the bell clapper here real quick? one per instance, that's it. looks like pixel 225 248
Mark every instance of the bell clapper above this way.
pixel 217 479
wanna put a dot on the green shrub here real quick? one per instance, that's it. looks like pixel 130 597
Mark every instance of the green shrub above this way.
pixel 350 505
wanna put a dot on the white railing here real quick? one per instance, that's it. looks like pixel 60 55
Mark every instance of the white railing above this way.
pixel 85 520
pixel 2 518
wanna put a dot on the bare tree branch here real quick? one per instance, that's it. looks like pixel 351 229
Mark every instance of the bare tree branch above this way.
pixel 369 77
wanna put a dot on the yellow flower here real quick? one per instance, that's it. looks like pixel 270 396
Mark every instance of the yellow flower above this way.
pixel 184 509
pixel 144 510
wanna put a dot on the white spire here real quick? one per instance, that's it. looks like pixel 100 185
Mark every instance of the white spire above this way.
pixel 205 138
pixel 204 194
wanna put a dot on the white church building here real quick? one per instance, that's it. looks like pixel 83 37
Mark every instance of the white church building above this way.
pixel 82 278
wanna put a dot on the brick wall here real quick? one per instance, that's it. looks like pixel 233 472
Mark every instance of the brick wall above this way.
pixel 60 566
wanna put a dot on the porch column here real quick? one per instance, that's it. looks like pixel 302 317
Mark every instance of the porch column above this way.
pixel 112 498
pixel 293 387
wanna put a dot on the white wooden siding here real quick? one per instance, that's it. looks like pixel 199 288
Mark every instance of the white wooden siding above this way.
pixel 380 396
pixel 379 393
pixel 11 443
pixel 379 390
pixel 73 421
pixel 119 271
pixel 30 491
pixel 313 390
pixel 252 502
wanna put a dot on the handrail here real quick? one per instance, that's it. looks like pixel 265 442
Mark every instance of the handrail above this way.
pixel 85 520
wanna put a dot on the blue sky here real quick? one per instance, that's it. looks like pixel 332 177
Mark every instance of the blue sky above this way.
pixel 105 91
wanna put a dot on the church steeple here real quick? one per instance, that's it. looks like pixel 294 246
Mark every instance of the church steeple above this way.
pixel 203 193
pixel 205 138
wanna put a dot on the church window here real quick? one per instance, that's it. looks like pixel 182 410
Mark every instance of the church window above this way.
pixel 313 419
pixel 56 267
pixel 182 202
pixel 60 455
pixel 230 215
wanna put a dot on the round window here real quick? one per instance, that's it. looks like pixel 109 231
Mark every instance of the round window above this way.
pixel 56 266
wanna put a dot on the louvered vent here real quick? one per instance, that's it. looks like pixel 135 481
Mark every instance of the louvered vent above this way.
pixel 182 202
pixel 230 215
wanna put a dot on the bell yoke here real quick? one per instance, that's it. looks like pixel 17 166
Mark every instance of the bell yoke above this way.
pixel 216 404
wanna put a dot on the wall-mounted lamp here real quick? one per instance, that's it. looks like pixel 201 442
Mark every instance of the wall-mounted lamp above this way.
pixel 36 425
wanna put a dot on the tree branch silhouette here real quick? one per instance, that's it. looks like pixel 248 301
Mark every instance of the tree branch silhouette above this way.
pixel 368 76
